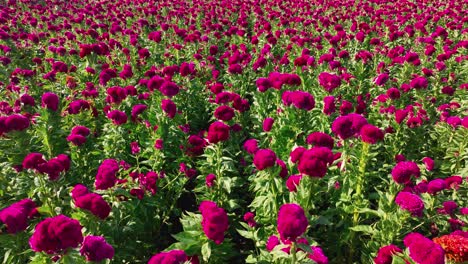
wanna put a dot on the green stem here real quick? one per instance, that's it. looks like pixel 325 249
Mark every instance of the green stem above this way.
pixel 358 194
pixel 293 253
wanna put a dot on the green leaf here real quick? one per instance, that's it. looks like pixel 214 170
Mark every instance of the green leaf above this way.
pixel 206 251
pixel 363 228
pixel 398 260
pixel 245 234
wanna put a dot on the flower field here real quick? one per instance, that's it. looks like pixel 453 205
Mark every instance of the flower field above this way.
pixel 234 131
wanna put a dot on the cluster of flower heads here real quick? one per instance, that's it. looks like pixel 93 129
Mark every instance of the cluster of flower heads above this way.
pixel 52 167
pixel 215 221
pixel 292 224
pixel 89 201
pixel 15 217
pixel 57 234
pixel 106 176
pixel 78 135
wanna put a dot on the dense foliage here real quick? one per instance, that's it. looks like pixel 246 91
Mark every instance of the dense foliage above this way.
pixel 240 131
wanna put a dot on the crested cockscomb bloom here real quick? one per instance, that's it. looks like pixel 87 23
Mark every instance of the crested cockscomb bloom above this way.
pixel 106 174
pixel 410 202
pixel 403 171
pixel 348 126
pixel 419 83
pixel 215 221
pixel 317 255
pixel 95 248
pixel 169 107
pixel 381 79
pixel 118 117
pixel 292 221
pixel 50 101
pixel 92 202
pixel 171 257
pixel 293 181
pixel 210 179
pixel 329 106
pixel 449 207
pixel 53 235
pixel 249 217
pixel 169 89
pixel 429 163
pixel 264 158
pixel 455 247
pixel 320 139
pixel 299 99
pixel 268 124
pixel 15 122
pixel 453 181
pixel 218 131
pixel 296 154
pixel 422 250
pixel 371 134
pixel 314 162
pixel 224 113
pixel 272 242
pixel 436 185
pixel 251 146
pixel 137 110
pixel 329 81
pixel 386 253
pixel 15 217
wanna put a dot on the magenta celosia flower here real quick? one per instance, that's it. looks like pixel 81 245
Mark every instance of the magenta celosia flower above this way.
pixel 118 117
pixel 106 174
pixel 169 89
pixel 292 221
pixel 429 163
pixel 169 107
pixel 95 248
pixel 436 185
pixel 55 234
pixel 249 218
pixel 137 110
pixel 272 242
pixel 314 162
pixel 381 79
pixel 50 101
pixel 293 181
pixel 371 134
pixel 422 250
pixel 171 257
pixel 16 122
pixel 92 202
pixel 296 154
pixel 210 179
pixel 410 202
pixel 329 106
pixel 320 139
pixel 348 126
pixel 251 146
pixel 215 221
pixel 329 81
pixel 15 217
pixel 76 139
pixel 299 99
pixel 224 113
pixel 264 158
pixel 317 255
pixel 218 131
pixel 403 171
pixel 268 124
pixel 386 253
pixel 419 83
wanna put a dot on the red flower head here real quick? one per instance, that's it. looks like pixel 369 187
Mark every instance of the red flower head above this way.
pixel 292 221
